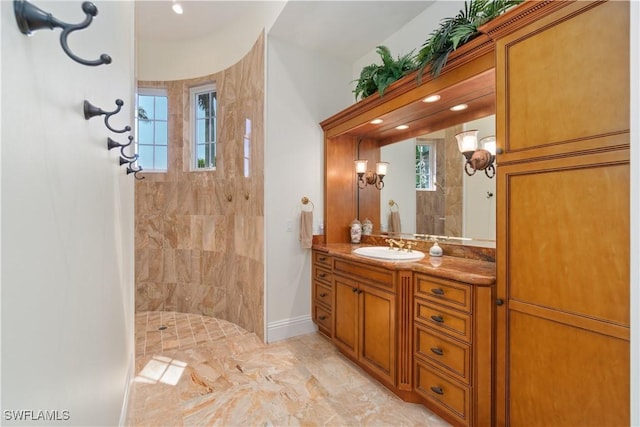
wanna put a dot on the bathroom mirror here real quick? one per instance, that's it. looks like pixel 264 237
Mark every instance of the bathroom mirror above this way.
pixel 442 200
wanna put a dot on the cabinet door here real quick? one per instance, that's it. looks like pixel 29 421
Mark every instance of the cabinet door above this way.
pixel 345 315
pixel 378 331
pixel 563 268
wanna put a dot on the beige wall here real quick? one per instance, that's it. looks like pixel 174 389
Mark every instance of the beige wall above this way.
pixel 200 235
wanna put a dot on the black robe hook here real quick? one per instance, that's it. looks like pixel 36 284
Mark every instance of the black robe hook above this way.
pixel 92 111
pixel 31 18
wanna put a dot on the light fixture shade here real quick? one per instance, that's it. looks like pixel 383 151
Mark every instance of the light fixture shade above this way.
pixel 467 141
pixel 381 168
pixel 177 8
pixel 361 166
pixel 489 144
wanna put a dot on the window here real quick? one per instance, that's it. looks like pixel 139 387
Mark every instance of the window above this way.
pixel 204 109
pixel 425 165
pixel 152 130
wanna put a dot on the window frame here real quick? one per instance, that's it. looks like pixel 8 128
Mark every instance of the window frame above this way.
pixel 155 92
pixel 193 122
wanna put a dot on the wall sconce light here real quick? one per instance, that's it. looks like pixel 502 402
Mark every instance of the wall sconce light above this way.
pixel 477 158
pixel 369 177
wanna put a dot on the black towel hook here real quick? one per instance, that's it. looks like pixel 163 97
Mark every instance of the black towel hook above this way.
pixel 124 159
pixel 134 171
pixel 31 18
pixel 115 144
pixel 92 111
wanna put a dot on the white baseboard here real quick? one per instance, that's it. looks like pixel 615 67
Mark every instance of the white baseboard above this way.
pixel 289 328
pixel 124 413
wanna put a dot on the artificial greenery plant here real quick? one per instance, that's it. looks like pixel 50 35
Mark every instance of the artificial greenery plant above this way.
pixel 378 77
pixel 456 31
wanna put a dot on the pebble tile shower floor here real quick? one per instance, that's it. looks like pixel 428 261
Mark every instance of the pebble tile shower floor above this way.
pixel 194 370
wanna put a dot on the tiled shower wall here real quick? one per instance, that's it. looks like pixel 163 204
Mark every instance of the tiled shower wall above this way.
pixel 199 235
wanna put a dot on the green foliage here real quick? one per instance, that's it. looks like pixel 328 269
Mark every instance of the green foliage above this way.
pixel 456 31
pixel 142 114
pixel 378 77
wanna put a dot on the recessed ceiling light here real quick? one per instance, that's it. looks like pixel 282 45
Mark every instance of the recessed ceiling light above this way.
pixel 432 98
pixel 402 127
pixel 459 107
pixel 177 8
pixel 376 121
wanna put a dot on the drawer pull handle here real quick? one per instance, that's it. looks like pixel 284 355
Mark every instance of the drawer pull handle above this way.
pixel 438 319
pixel 322 295
pixel 437 291
pixel 322 317
pixel 322 258
pixel 437 351
pixel 322 275
pixel 354 290
pixel 437 390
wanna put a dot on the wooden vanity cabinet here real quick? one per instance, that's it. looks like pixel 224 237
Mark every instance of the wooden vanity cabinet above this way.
pixel 365 317
pixel 322 292
pixel 562 353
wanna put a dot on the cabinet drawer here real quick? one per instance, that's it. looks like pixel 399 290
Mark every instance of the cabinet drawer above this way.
pixel 372 275
pixel 322 318
pixel 322 275
pixel 443 319
pixel 443 392
pixel 445 353
pixel 322 294
pixel 451 294
pixel 321 258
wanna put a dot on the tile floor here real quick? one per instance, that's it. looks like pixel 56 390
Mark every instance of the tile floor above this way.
pixel 195 370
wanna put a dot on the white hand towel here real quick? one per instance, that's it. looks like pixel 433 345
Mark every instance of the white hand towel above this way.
pixel 306 229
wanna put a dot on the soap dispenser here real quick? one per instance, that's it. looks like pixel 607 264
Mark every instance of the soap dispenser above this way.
pixel 435 250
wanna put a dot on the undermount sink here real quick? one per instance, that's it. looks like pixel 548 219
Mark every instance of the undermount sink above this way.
pixel 384 253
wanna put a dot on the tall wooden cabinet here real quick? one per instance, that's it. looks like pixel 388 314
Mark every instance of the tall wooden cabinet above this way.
pixel 562 312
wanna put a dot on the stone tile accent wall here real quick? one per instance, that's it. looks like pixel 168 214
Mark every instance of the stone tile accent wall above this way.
pixel 199 235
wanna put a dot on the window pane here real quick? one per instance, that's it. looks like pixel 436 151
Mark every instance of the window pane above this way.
pixel 161 133
pixel 200 131
pixel 161 108
pixel 161 158
pixel 145 132
pixel 200 157
pixel 203 105
pixel 146 103
pixel 145 159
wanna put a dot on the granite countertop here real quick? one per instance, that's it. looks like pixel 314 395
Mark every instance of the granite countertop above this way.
pixel 475 272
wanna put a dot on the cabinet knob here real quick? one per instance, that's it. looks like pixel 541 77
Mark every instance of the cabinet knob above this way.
pixel 437 351
pixel 322 317
pixel 437 390
pixel 438 319
pixel 499 150
pixel 437 291
pixel 499 301
pixel 322 274
pixel 354 290
pixel 322 258
pixel 323 294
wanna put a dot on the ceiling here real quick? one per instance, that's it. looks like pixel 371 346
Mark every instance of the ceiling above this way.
pixel 346 30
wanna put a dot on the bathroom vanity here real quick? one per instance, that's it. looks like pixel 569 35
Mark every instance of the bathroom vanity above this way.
pixel 423 329
pixel 500 341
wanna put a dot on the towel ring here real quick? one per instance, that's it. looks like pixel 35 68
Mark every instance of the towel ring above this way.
pixel 305 201
pixel 392 203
